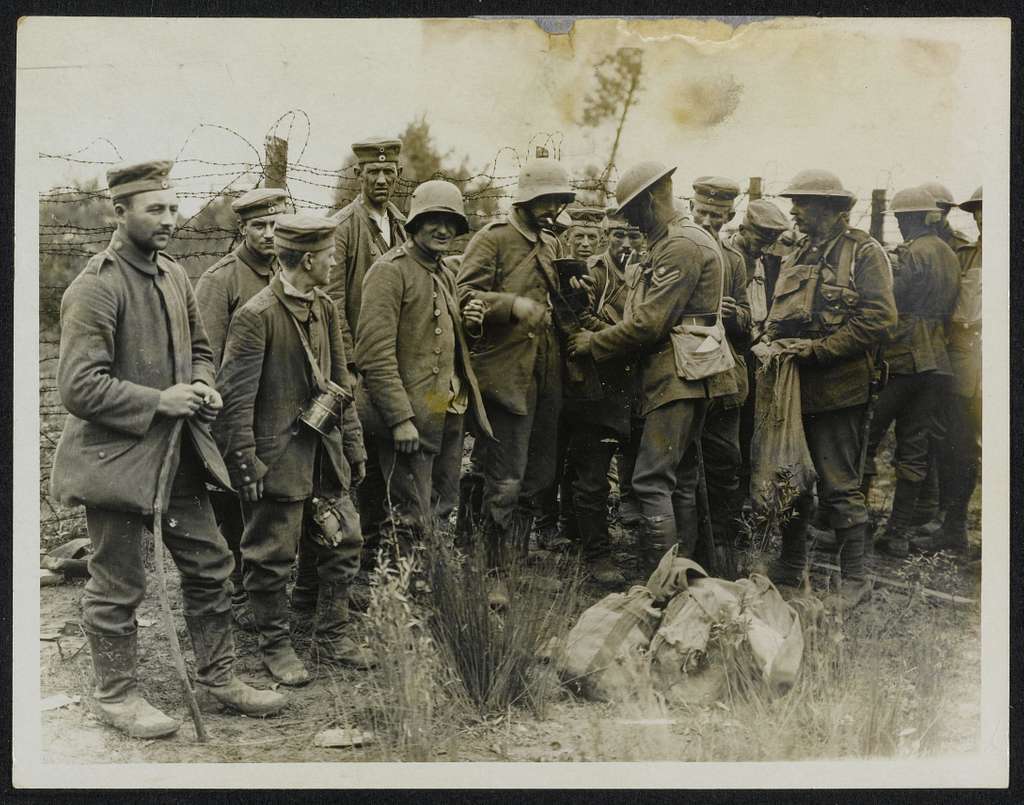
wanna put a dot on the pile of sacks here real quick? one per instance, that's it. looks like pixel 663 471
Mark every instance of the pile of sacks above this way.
pixel 662 631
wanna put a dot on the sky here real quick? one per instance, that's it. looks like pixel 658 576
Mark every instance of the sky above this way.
pixel 881 103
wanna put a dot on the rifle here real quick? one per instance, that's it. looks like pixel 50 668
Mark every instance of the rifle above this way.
pixel 879 380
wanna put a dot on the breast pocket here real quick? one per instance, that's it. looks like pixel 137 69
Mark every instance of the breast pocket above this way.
pixel 793 302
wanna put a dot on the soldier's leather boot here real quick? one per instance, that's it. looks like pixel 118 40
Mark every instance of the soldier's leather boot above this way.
pixel 241 612
pixel 271 610
pixel 629 512
pixel 657 536
pixel 116 699
pixel 898 531
pixel 926 511
pixel 854 588
pixel 306 581
pixel 788 570
pixel 216 684
pixel 331 636
pixel 687 530
pixel 819 530
pixel 953 535
pixel 595 548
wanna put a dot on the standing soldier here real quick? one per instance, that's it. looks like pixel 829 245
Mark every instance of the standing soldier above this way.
pixel 367 228
pixel 417 383
pixel 763 224
pixel 134 361
pixel 961 456
pixel 518 361
pixel 953 238
pixel 925 284
pixel 712 205
pixel 221 290
pixel 679 283
pixel 284 348
pixel 834 294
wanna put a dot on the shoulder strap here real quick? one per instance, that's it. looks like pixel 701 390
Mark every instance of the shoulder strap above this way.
pixel 530 255
pixel 847 254
pixel 318 376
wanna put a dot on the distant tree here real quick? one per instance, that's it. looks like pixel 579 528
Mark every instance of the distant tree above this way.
pixel 618 84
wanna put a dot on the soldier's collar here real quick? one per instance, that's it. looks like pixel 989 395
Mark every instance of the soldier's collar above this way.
pixel 256 262
pixel 125 248
pixel 298 307
pixel 518 220
pixel 431 263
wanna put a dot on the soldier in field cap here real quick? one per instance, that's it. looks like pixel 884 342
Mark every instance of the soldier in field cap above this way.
pixel 221 290
pixel 713 207
pixel 278 462
pixel 134 360
pixel 367 228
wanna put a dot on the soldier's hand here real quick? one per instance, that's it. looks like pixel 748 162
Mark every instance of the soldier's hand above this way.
pixel 802 350
pixel 407 438
pixel 358 472
pixel 250 493
pixel 473 314
pixel 579 344
pixel 728 307
pixel 180 399
pixel 212 402
pixel 528 311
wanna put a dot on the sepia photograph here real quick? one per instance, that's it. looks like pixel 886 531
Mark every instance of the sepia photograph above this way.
pixel 453 402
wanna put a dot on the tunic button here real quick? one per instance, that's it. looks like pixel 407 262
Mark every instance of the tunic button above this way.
pixel 437 312
pixel 238 454
pixel 529 335
pixel 435 370
pixel 434 294
pixel 242 466
pixel 102 454
pixel 437 350
pixel 437 331
pixel 245 478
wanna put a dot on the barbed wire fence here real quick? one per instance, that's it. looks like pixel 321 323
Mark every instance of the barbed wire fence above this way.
pixel 77 221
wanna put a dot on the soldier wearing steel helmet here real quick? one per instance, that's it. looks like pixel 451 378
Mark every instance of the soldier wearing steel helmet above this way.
pixel 518 359
pixel 679 282
pixel 135 371
pixel 960 459
pixel 834 297
pixel 925 285
pixel 417 383
pixel 953 238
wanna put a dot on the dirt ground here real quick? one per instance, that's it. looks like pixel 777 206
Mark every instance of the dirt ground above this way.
pixel 571 729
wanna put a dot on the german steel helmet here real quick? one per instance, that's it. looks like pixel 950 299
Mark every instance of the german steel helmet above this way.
pixel 437 195
pixel 913 199
pixel 973 203
pixel 543 177
pixel 638 179
pixel 941 193
pixel 817 182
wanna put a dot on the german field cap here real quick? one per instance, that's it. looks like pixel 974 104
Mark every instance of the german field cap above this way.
pixel 715 191
pixel 765 215
pixel 377 149
pixel 303 232
pixel 973 203
pixel 140 177
pixel 614 220
pixel 260 201
pixel 586 215
pixel 637 179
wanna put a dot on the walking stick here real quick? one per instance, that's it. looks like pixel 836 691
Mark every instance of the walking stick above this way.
pixel 707 534
pixel 165 603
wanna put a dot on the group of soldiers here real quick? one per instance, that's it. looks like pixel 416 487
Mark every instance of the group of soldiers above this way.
pixel 307 403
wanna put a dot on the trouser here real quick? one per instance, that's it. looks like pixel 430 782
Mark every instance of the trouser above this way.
pixel 117 575
pixel 746 424
pixel 554 502
pixel 590 452
pixel 520 462
pixel 227 511
pixel 626 459
pixel 720 442
pixel 371 495
pixel 960 459
pixel 271 539
pixel 909 401
pixel 665 476
pixel 421 488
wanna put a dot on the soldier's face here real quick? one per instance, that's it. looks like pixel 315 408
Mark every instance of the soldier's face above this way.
pixel 759 239
pixel 259 235
pixel 814 216
pixel 148 219
pixel 710 217
pixel 618 243
pixel 584 240
pixel 378 181
pixel 435 232
pixel 544 210
pixel 640 212
pixel 321 265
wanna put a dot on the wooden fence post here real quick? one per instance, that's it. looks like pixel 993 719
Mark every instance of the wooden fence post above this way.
pixel 276 162
pixel 754 189
pixel 878 215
